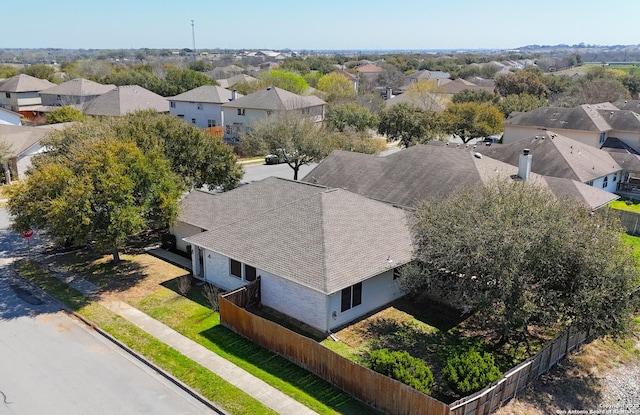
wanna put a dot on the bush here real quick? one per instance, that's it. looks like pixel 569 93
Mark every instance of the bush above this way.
pixel 470 371
pixel 402 367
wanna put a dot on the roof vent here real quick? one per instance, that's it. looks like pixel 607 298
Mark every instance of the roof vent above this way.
pixel 268 88
pixel 477 155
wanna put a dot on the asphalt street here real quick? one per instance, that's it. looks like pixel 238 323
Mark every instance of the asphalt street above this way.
pixel 50 363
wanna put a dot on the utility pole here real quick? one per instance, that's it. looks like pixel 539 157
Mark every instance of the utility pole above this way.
pixel 193 36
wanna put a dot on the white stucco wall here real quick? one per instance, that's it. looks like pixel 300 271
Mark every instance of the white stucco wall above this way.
pixel 300 302
pixel 190 111
pixel 611 183
pixel 24 161
pixel 376 292
pixel 183 230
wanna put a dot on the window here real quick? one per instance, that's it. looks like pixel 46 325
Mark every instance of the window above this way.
pixel 249 273
pixel 605 182
pixel 235 268
pixel 172 104
pixel 199 106
pixel 615 177
pixel 7 94
pixel 193 121
pixel 227 129
pixel 181 116
pixel 211 123
pixel 240 111
pixel 602 137
pixel 268 112
pixel 351 297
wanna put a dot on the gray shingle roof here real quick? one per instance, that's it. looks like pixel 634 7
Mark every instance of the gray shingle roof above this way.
pixel 126 99
pixel 557 156
pixel 24 83
pixel 621 120
pixel 325 241
pixel 229 82
pixel 628 104
pixel 213 210
pixel 21 138
pixel 79 87
pixel 206 93
pixel 427 172
pixel 584 117
pixel 274 99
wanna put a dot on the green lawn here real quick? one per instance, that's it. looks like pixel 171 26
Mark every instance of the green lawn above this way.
pixel 192 318
pixel 207 383
pixel 623 205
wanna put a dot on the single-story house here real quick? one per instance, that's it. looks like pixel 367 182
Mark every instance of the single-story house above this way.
pixel 324 256
pixel 24 143
pixel 202 106
pixel 429 172
pixel 8 117
pixel 125 99
pixel 558 156
pixel 239 113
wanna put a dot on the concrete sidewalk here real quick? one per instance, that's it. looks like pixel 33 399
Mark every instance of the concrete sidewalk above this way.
pixel 263 392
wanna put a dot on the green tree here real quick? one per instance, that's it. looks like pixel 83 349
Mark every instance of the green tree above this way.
pixel 249 87
pixel 103 190
pixel 349 116
pixel 197 157
pixel 518 256
pixel 521 82
pixel 200 66
pixel 405 123
pixel 64 114
pixel 298 140
pixel 336 86
pixel 40 71
pixel 473 95
pixel 180 80
pixel 285 80
pixel 426 94
pixel 470 120
pixel 519 103
pixel 7 71
pixel 593 91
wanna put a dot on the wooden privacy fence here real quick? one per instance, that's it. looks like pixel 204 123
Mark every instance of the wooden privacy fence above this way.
pixel 629 220
pixel 372 388
pixel 498 393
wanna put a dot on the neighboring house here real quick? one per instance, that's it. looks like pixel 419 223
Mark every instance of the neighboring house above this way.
pixel 369 71
pixel 590 124
pixel 223 72
pixel 21 93
pixel 230 82
pixel 558 156
pixel 452 87
pixel 126 99
pixel 238 114
pixel 324 256
pixel 351 77
pixel 8 117
pixel 202 105
pixel 428 101
pixel 24 142
pixel 77 93
pixel 430 172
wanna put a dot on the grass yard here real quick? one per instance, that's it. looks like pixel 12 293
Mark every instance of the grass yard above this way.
pixel 149 284
pixel 631 206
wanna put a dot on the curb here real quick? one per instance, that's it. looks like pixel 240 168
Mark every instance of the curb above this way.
pixel 124 347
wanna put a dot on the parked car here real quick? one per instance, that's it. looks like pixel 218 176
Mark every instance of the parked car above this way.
pixel 278 158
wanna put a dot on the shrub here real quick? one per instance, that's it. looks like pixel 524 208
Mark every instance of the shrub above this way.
pixel 402 367
pixel 211 293
pixel 470 371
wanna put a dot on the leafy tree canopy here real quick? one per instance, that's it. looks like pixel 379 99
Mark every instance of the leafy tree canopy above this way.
pixel 520 103
pixel 288 81
pixel 473 95
pixel 102 190
pixel 521 82
pixel 349 116
pixel 470 120
pixel 518 256
pixel 64 114
pixel 40 71
pixel 336 87
pixel 407 124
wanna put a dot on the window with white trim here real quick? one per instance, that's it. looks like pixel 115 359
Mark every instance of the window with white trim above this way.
pixel 235 268
pixel 211 123
pixel 172 104
pixel 240 111
pixel 603 136
pixel 351 297
pixel 249 273
pixel 605 181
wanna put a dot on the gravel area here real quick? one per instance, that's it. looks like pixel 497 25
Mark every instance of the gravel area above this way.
pixel 621 390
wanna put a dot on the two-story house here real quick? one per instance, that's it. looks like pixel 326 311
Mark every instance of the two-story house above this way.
pixel 239 113
pixel 125 99
pixel 21 93
pixel 77 93
pixel 202 106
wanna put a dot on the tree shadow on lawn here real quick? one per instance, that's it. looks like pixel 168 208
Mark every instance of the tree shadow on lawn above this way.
pixel 277 366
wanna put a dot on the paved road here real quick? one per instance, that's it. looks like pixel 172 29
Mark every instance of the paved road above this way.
pixel 256 172
pixel 52 364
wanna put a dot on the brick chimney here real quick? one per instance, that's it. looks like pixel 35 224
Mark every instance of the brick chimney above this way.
pixel 524 164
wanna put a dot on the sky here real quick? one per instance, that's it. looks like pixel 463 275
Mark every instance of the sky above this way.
pixel 317 25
